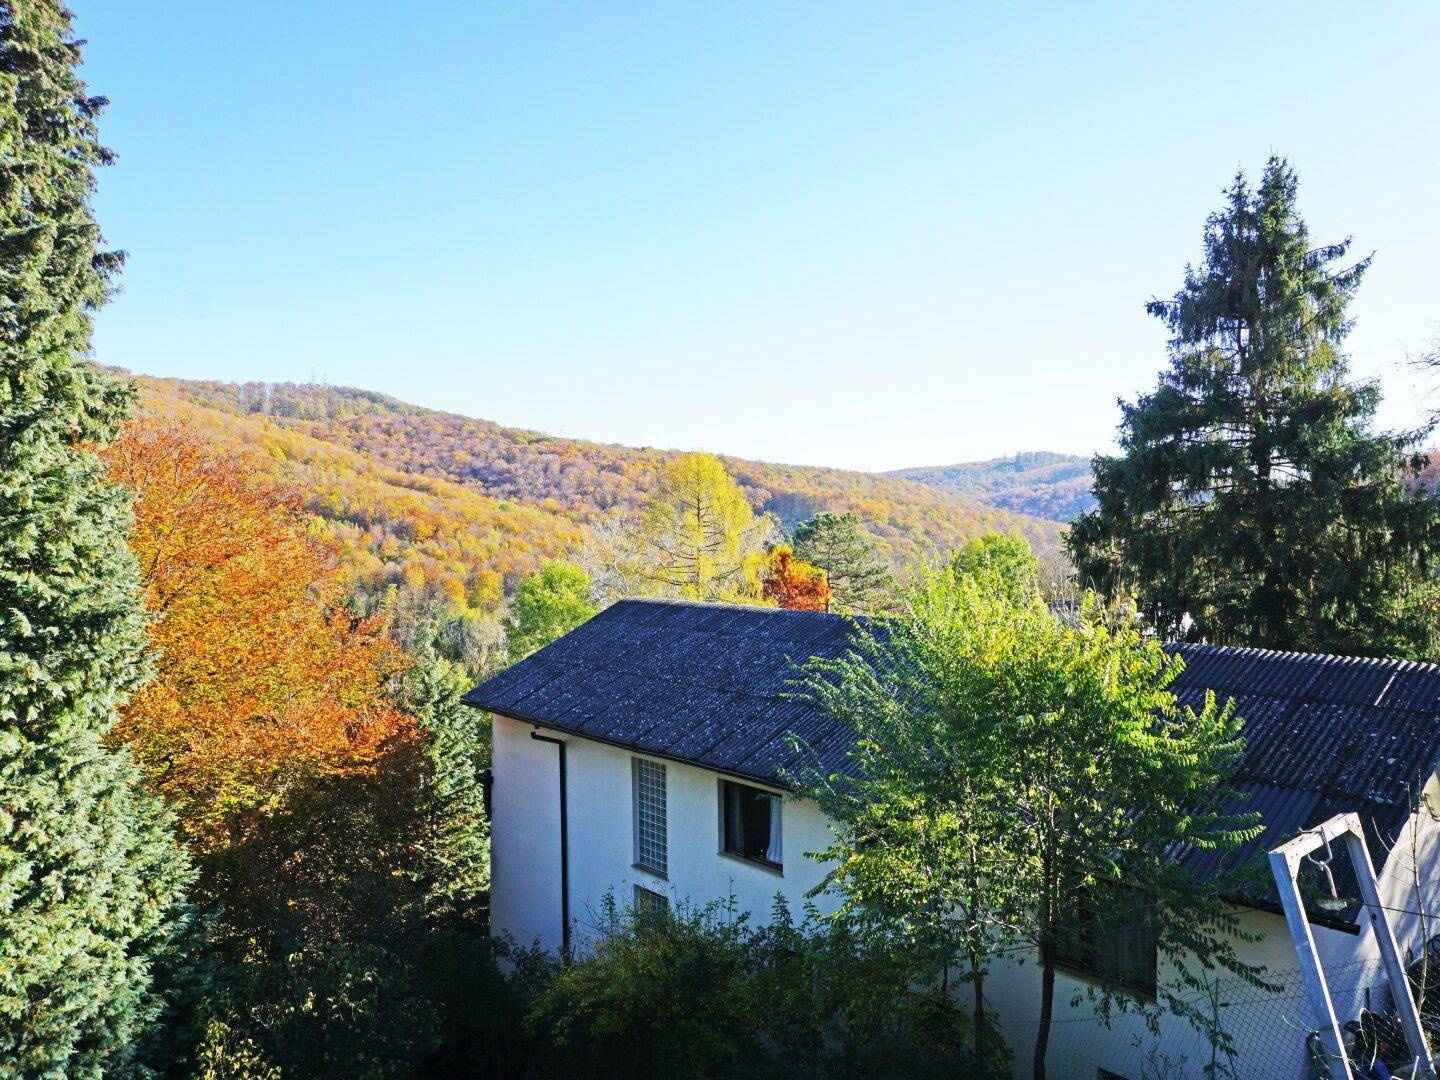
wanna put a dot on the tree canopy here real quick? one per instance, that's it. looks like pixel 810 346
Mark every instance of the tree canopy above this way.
pixel 262 673
pixel 696 539
pixel 91 880
pixel 550 602
pixel 793 584
pixel 1010 762
pixel 1253 503
pixel 859 578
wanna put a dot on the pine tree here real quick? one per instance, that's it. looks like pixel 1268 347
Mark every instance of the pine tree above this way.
pixel 90 877
pixel 696 539
pixel 1253 503
pixel 835 543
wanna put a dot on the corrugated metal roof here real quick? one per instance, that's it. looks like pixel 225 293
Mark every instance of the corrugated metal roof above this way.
pixel 707 684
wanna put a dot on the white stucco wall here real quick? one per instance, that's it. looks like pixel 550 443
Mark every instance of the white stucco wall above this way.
pixel 1268 1029
pixel 525 848
pixel 525 904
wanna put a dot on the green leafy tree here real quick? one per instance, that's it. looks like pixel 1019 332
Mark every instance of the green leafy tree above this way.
pixel 1252 502
pixel 91 881
pixel 1006 557
pixel 1010 762
pixel 550 602
pixel 859 578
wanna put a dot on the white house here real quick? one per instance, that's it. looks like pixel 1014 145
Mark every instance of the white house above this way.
pixel 643 755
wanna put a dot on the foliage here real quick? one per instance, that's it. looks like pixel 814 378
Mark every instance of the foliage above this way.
pixel 696 539
pixel 1004 559
pixel 451 499
pixel 452 852
pixel 859 578
pixel 1252 503
pixel 263 675
pixel 1009 760
pixel 550 602
pixel 91 881
pixel 348 939
pixel 701 992
pixel 793 584
pixel 1046 485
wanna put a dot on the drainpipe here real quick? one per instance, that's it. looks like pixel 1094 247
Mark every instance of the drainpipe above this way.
pixel 564 849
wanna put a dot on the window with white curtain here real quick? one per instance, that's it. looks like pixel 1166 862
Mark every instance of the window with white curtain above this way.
pixel 751 823
pixel 650 847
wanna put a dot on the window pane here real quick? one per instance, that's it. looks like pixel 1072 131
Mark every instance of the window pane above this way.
pixel 650 847
pixel 752 823
pixel 650 902
pixel 1112 937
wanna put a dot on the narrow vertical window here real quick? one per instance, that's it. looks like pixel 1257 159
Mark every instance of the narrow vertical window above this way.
pixel 650 848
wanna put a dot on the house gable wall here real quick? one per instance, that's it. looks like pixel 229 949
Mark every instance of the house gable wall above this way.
pixel 525 848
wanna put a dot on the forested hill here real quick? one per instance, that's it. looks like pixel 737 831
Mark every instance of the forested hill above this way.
pixel 412 491
pixel 1046 485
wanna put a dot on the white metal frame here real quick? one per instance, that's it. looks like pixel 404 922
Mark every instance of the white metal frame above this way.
pixel 1285 863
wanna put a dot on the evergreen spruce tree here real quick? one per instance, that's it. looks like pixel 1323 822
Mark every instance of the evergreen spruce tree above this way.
pixel 453 851
pixel 836 544
pixel 90 877
pixel 1253 502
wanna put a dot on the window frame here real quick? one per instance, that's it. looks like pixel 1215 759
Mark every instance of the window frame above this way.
pixel 1077 964
pixel 777 807
pixel 637 766
pixel 646 903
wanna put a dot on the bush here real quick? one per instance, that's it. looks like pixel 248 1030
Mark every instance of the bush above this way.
pixel 701 992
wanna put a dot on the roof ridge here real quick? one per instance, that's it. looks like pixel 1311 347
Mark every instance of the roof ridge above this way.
pixel 1394 662
pixel 726 605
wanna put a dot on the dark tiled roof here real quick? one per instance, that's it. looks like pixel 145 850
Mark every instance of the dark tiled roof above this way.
pixel 706 683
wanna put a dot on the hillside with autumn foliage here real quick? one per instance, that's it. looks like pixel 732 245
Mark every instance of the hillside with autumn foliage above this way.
pixel 462 508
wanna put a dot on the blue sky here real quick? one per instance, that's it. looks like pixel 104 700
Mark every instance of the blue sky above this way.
pixel 862 235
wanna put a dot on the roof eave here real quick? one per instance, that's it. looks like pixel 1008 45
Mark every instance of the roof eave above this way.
pixel 633 748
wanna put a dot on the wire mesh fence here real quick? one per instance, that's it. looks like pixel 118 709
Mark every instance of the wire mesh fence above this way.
pixel 1254 1033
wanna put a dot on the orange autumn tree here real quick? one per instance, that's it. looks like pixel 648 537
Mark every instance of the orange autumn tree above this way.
pixel 794 584
pixel 263 676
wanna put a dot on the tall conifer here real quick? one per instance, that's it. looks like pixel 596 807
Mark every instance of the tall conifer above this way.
pixel 1253 501
pixel 90 877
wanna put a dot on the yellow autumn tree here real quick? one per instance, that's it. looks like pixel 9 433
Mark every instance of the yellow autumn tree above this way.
pixel 697 538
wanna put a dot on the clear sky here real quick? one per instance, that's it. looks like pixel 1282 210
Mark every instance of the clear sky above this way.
pixel 864 235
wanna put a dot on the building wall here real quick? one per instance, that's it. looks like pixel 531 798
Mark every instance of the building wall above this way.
pixel 1268 1029
pixel 525 847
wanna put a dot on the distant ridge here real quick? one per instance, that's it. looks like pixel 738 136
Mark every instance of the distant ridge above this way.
pixel 1040 483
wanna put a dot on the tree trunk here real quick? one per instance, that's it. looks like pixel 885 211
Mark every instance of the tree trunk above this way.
pixel 1047 1004
pixel 978 1021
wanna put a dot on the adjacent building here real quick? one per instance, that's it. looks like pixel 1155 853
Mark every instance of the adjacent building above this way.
pixel 646 755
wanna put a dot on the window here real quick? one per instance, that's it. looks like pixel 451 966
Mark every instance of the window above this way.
pixel 650 848
pixel 750 823
pixel 649 902
pixel 1112 937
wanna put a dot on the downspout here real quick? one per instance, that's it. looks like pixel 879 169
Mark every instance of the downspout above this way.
pixel 564 850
